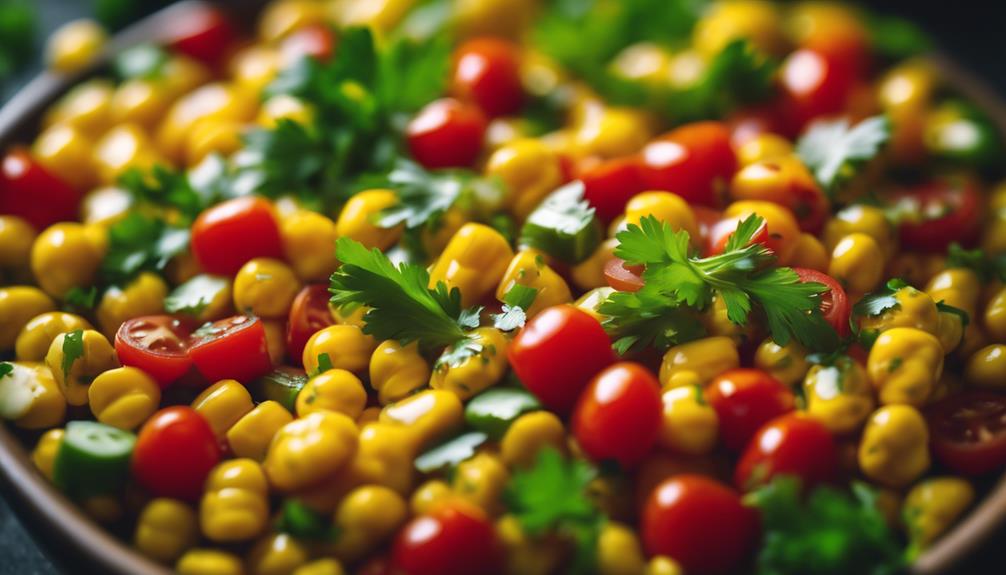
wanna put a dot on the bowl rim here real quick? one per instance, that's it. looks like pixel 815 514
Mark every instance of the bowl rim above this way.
pixel 37 502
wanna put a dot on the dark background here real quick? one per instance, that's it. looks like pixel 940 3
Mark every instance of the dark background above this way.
pixel 973 31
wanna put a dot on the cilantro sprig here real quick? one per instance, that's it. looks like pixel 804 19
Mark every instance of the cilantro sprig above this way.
pixel 835 150
pixel 73 349
pixel 988 266
pixel 517 300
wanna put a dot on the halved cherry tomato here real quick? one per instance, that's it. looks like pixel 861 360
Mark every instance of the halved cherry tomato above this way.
pixel 315 40
pixel 487 72
pixel 694 161
pixel 309 314
pixel 203 33
pixel 228 235
pixel 618 416
pixel 968 432
pixel 29 191
pixel 744 400
pixel 447 133
pixel 557 353
pixel 232 348
pixel 609 185
pixel 793 444
pixel 158 345
pixel 175 451
pixel 622 276
pixel 814 85
pixel 700 523
pixel 721 231
pixel 834 302
pixel 939 213
pixel 456 539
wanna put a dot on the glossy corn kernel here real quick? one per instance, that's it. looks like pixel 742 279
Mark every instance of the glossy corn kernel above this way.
pixel 209 562
pixel 529 171
pixel 321 567
pixel 932 507
pixel 645 62
pixel 396 371
pixel 16 239
pixel 96 356
pixel 75 45
pixel 780 180
pixel 481 480
pixel 123 148
pixel 987 367
pixel 255 67
pixel 334 390
pixel 612 132
pixel 698 362
pixel 426 416
pixel 281 18
pixel 914 309
pixel 786 363
pixel 666 207
pixel 689 425
pixel 589 274
pixel 367 518
pixel 905 92
pixel 166 529
pixel 66 152
pixel 277 554
pixel 140 101
pixel 474 262
pixel 357 219
pixel 86 107
pixel 754 20
pixel 904 365
pixel 220 137
pixel 18 305
pixel 143 296
pixel 223 404
pixel 35 338
pixel 265 287
pixel 959 287
pixel 346 346
pixel 382 15
pixel 309 450
pixel 528 268
pixel 857 262
pixel 235 506
pixel 429 496
pixel 213 101
pixel 284 107
pixel 763 147
pixel 65 256
pixel 308 244
pixel 472 365
pixel 894 449
pixel 525 554
pixel 123 397
pixel 528 435
pixel 839 395
pixel 30 397
pixel 44 454
pixel 619 551
pixel 251 435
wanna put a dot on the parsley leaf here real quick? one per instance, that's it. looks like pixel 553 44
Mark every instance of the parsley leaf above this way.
pixel 167 188
pixel 564 226
pixel 73 349
pixel 79 298
pixel 878 302
pixel 517 300
pixel 6 368
pixel 141 243
pixel 302 522
pixel 988 267
pixel 648 318
pixel 835 151
pixel 196 294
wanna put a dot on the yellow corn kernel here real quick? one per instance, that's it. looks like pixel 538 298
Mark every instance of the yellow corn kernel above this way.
pixel 932 507
pixel 35 338
pixel 779 180
pixel 213 101
pixel 524 554
pixel 123 397
pixel 143 296
pixel 959 287
pixel 165 529
pixel 16 239
pixel 428 416
pixel 589 274
pixel 396 371
pixel 390 449
pixel 65 256
pixel 481 480
pixel 987 367
pixel 591 301
pixel 255 67
pixel 277 554
pixel 914 309
pixel 139 101
pixel 66 152
pixel 333 390
pixel 284 107
pixel 18 305
pixel 209 562
pixel 97 356
pixel 281 18
pixel 86 107
pixel 810 253
pixel 528 268
pixel 366 519
pixel 528 435
pixel 473 365
pixel 786 363
pixel 869 220
pixel 435 238
pixel 347 348
pixel 506 18
pixel 663 565
pixel 643 62
pixel 697 362
pixel 265 287
pixel 235 506
pixel 31 398
pixel 529 170
pixel 779 220
pixel 686 68
pixel 754 20
pixel 619 551
pixel 839 395
pixel 994 316
pixel 309 245
pixel 75 45
pixel 104 206
pixel 950 330
pixel 689 425
pixel 857 263
pixel 251 435
pixel 904 365
pixel 309 450
pixel 612 132
pixel 905 93
pixel 44 454
pixel 123 148
pixel 382 15
pixel 321 567
pixel 763 147
pixel 181 75
pixel 894 449
pixel 357 219
pixel 664 206
pixel 222 137
pixel 994 234
pixel 429 496
pixel 223 404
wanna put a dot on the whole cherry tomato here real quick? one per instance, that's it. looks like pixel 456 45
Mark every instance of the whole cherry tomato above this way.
pixel 695 161
pixel 744 400
pixel 814 85
pixel 700 523
pixel 834 303
pixel 622 276
pixel 203 33
pixel 609 185
pixel 557 353
pixel 315 40
pixel 232 348
pixel 309 314
pixel 29 191
pixel 706 218
pixel 720 232
pixel 455 539
pixel 447 133
pixel 793 444
pixel 158 345
pixel 939 213
pixel 487 72
pixel 228 235
pixel 175 451
pixel 619 414
pixel 968 432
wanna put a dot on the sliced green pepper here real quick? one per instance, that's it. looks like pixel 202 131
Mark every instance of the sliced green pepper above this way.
pixel 451 452
pixel 564 226
pixel 494 410
pixel 93 459
pixel 282 385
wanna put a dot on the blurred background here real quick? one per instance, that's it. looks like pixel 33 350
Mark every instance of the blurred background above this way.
pixel 971 31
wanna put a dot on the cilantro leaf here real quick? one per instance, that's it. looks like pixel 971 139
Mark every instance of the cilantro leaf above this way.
pixel 140 243
pixel 988 267
pixel 304 523
pixel 73 349
pixel 876 303
pixel 6 368
pixel 517 300
pixel 648 318
pixel 835 151
pixel 324 362
pixel 79 298
pixel 290 158
pixel 792 309
pixel 196 294
pixel 167 188
pixel 564 226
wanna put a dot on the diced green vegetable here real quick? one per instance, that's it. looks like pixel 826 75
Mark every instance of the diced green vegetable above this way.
pixel 145 61
pixel 451 452
pixel 493 411
pixel 193 296
pixel 959 132
pixel 564 225
pixel 93 459
pixel 305 523
pixel 282 385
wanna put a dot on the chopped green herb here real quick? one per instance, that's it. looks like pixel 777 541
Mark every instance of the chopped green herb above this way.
pixel 988 267
pixel 193 296
pixel 493 410
pixel 140 243
pixel 835 151
pixel 6 368
pixel 324 363
pixel 73 349
pixel 305 523
pixel 564 225
pixel 144 61
pixel 897 38
pixel 82 299
pixel 451 452
pixel 881 300
pixel 517 300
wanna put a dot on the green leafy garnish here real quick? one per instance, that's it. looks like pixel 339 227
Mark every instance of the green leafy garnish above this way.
pixel 302 522
pixel 827 533
pixel 451 452
pixel 517 300
pixel 140 243
pixel 18 25
pixel 897 38
pixel 144 61
pixel 988 267
pixel 835 151
pixel 878 302
pixel 167 188
pixel 564 225
pixel 73 349
pixel 493 410
pixel 193 296
pixel 944 307
pixel 648 318
pixel 79 298
pixel 6 368
pixel 551 497
pixel 324 363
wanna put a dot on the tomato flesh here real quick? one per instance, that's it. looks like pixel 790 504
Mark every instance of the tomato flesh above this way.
pixel 30 192
pixel 447 134
pixel 309 314
pixel 229 235
pixel 449 541
pixel 232 348
pixel 175 452
pixel 794 445
pixel 487 72
pixel 834 303
pixel 968 432
pixel 157 345
pixel 622 276
pixel 745 399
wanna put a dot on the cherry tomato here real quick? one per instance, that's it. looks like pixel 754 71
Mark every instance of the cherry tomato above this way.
pixel 228 235
pixel 557 353
pixel 939 213
pixel 748 123
pixel 453 540
pixel 706 218
pixel 309 314
pixel 487 72
pixel 619 414
pixel 315 40
pixel 232 348
pixel 609 185
pixel 721 231
pixel 968 432
pixel 814 85
pixel 694 161
pixel 447 134
pixel 622 276
pixel 202 33
pixel 158 345
pixel 175 451
pixel 793 444
pixel 744 400
pixel 29 191
pixel 834 303
pixel 700 523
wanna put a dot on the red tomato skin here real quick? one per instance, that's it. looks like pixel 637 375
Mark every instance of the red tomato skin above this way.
pixel 695 161
pixel 487 72
pixel 167 364
pixel 309 314
pixel 792 444
pixel 619 414
pixel 557 353
pixel 240 352
pixel 706 218
pixel 609 185
pixel 835 302
pixel 970 459
pixel 203 33
pixel 744 400
pixel 622 276
pixel 30 192
pixel 720 232
pixel 175 452
pixel 700 523
pixel 315 40
pixel 453 540
pixel 814 85
pixel 962 225
pixel 230 234
pixel 447 133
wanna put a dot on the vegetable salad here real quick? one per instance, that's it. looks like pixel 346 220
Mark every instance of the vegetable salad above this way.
pixel 503 287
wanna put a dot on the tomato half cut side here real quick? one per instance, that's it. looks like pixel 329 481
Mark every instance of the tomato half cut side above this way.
pixel 622 276
pixel 968 432
pixel 309 314
pixel 232 348
pixel 834 302
pixel 158 345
